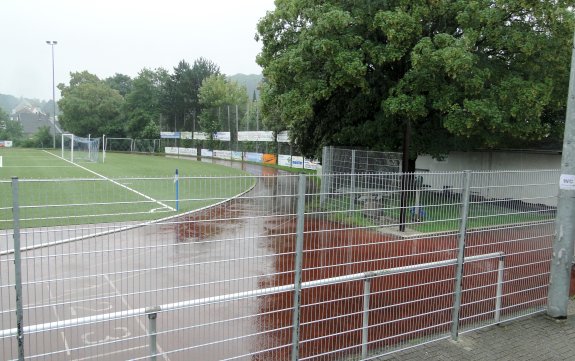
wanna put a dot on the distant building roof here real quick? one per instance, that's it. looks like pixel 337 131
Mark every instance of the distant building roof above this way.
pixel 25 107
pixel 31 122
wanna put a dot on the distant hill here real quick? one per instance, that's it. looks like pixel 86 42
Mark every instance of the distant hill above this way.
pixel 250 81
pixel 8 102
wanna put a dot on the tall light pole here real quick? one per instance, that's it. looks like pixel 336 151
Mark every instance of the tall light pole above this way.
pixel 52 43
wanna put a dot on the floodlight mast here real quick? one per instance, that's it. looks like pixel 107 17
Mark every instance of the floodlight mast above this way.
pixel 52 43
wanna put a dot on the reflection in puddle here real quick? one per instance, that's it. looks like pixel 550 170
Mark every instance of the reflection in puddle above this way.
pixel 208 223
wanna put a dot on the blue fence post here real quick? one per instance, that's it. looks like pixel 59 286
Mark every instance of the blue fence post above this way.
pixel 177 181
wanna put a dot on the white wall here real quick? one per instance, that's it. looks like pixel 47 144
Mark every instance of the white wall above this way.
pixel 499 160
pixel 524 179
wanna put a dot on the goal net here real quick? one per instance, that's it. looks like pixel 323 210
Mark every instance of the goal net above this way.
pixel 79 149
pixel 119 144
pixel 131 145
pixel 146 145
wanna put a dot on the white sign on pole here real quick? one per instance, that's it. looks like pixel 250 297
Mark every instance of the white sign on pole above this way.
pixel 567 182
pixel 253 136
pixel 283 137
pixel 284 160
pixel 200 136
pixel 222 154
pixel 225 136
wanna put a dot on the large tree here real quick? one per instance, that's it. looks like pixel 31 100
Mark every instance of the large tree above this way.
pixel 90 106
pixel 121 82
pixel 180 100
pixel 459 74
pixel 4 118
pixel 215 96
pixel 142 109
pixel 10 129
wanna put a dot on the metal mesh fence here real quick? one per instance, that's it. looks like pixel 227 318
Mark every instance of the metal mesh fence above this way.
pixel 357 161
pixel 258 268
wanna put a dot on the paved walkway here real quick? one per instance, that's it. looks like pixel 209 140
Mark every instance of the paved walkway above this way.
pixel 533 338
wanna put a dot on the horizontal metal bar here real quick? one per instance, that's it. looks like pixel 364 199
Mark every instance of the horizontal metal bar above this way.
pixel 240 295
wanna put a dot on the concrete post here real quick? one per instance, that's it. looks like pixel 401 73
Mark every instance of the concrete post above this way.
pixel 460 256
pixel 562 259
pixel 298 267
pixel 18 268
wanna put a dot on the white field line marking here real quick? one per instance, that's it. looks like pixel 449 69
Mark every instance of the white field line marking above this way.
pixel 116 183
pixel 58 319
pixel 38 166
pixel 142 326
pixel 129 227
pixel 102 355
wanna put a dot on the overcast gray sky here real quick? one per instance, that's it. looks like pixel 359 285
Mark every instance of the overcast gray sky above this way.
pixel 106 37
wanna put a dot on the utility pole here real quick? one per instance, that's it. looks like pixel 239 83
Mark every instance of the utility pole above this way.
pixel 562 259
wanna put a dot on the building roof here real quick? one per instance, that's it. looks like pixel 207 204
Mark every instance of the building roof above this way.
pixel 31 122
pixel 25 107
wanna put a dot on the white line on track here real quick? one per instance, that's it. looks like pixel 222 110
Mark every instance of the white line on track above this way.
pixel 102 355
pixel 125 302
pixel 38 166
pixel 58 319
pixel 116 183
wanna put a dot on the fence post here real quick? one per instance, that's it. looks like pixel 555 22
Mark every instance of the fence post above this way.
pixel 499 292
pixel 352 191
pixel 324 170
pixel 152 333
pixel 177 182
pixel 365 328
pixel 460 256
pixel 298 267
pixel 18 269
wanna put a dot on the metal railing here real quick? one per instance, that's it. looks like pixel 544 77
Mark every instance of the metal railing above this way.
pixel 366 277
pixel 263 269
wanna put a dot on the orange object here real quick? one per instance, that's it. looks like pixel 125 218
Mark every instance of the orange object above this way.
pixel 270 159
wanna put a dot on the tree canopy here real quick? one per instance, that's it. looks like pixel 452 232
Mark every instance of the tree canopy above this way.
pixel 10 129
pixel 154 100
pixel 215 95
pixel 181 90
pixel 90 106
pixel 121 82
pixel 461 73
pixel 143 104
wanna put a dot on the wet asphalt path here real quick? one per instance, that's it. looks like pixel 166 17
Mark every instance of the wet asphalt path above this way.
pixel 144 267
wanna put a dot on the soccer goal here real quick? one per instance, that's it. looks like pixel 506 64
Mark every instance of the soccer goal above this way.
pixel 119 145
pixel 146 145
pixel 132 145
pixel 80 149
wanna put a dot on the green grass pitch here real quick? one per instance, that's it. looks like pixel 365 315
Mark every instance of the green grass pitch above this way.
pixel 126 187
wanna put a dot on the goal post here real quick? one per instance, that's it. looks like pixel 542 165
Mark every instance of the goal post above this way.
pixel 79 149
